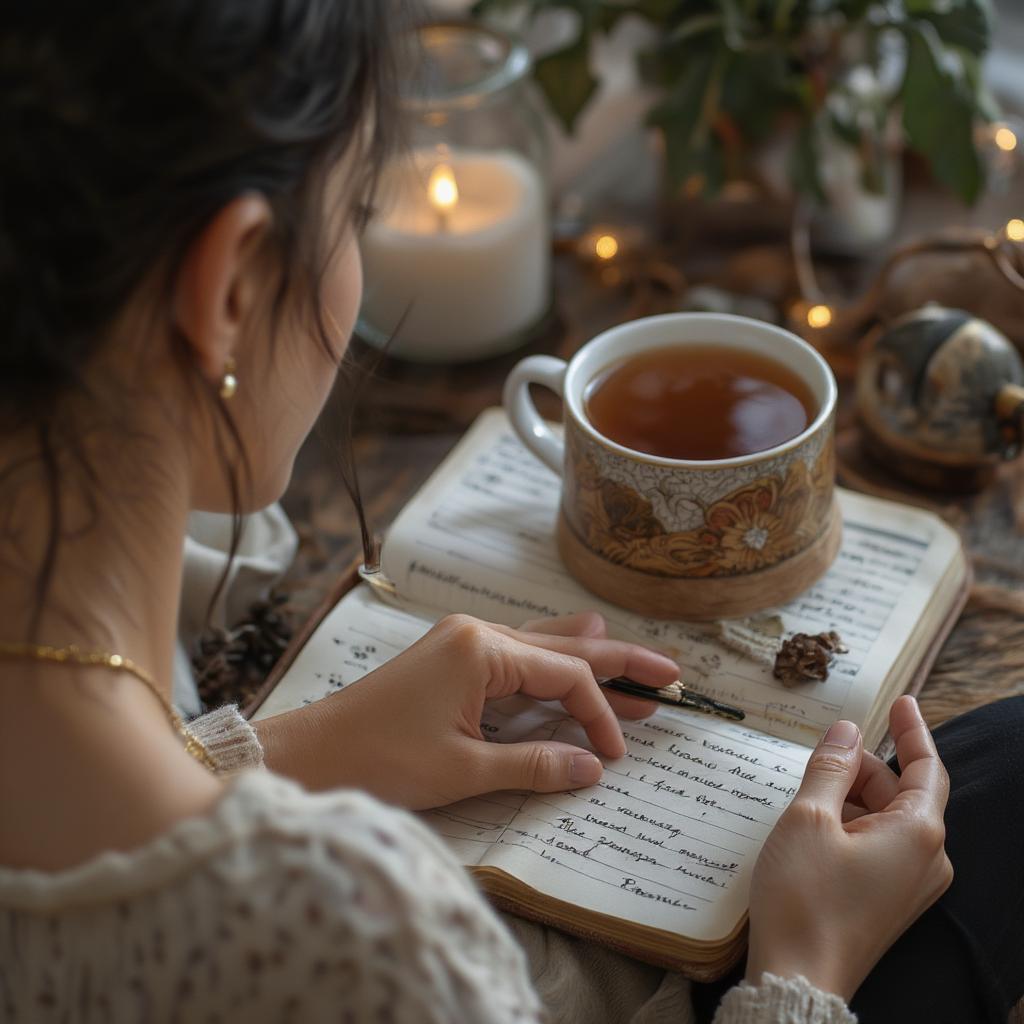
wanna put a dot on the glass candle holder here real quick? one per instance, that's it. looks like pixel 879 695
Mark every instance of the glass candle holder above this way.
pixel 457 258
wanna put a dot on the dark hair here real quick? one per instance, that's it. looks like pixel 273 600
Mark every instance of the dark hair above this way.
pixel 127 124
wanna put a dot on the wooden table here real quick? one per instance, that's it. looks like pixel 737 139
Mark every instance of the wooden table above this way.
pixel 410 416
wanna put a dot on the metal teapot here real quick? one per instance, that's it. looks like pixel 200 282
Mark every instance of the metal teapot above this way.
pixel 940 396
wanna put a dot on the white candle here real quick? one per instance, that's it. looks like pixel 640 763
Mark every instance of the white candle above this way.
pixel 460 248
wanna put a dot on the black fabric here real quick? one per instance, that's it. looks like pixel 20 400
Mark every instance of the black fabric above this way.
pixel 962 962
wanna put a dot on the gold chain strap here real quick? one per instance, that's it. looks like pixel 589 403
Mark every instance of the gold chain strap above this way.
pixel 73 655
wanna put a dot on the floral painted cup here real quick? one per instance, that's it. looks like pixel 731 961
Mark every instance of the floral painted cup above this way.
pixel 678 538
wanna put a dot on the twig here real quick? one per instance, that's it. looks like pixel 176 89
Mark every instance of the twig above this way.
pixel 992 598
pixel 1017 498
pixel 998 565
pixel 859 482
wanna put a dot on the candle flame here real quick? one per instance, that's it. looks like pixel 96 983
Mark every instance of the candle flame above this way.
pixel 441 188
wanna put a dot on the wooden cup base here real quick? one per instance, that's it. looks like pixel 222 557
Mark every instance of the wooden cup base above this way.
pixel 700 600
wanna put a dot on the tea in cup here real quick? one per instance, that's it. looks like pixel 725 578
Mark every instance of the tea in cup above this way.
pixel 697 463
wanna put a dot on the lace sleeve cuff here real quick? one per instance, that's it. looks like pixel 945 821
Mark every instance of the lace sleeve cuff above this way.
pixel 229 739
pixel 782 999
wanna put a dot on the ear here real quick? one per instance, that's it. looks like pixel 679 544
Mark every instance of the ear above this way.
pixel 218 282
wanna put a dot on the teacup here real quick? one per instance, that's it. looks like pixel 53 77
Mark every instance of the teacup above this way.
pixel 677 538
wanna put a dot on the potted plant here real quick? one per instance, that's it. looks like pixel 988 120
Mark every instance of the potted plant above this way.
pixel 814 87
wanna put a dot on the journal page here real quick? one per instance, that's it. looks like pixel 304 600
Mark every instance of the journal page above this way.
pixel 668 838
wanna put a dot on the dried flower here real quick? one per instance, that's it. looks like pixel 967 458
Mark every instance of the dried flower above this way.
pixel 804 658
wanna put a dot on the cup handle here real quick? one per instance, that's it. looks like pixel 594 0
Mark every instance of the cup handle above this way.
pixel 526 421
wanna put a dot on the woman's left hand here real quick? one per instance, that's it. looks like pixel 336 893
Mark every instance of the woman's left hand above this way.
pixel 409 732
pixel 854 860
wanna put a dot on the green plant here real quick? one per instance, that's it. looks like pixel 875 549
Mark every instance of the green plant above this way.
pixel 731 73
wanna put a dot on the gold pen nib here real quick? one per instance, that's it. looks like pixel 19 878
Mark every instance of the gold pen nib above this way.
pixel 677 694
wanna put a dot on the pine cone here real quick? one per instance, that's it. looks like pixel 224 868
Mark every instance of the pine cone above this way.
pixel 231 664
pixel 804 658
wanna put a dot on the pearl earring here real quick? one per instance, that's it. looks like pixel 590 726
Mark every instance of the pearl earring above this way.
pixel 229 382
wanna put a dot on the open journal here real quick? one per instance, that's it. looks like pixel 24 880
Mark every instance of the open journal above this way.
pixel 655 859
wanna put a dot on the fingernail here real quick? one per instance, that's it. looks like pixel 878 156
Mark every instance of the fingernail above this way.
pixel 585 770
pixel 841 734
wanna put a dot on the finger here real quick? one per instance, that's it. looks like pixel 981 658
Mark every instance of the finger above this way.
pixel 852 811
pixel 832 769
pixel 610 658
pixel 876 784
pixel 579 624
pixel 550 675
pixel 543 766
pixel 632 708
pixel 923 777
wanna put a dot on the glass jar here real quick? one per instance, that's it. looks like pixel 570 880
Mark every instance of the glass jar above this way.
pixel 457 259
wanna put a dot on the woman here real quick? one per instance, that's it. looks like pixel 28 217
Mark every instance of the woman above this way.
pixel 180 191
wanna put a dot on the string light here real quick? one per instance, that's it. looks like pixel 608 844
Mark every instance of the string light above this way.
pixel 607 244
pixel 1015 230
pixel 1005 138
pixel 694 186
pixel 819 316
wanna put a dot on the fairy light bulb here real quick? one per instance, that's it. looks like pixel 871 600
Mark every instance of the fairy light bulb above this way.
pixel 1005 138
pixel 819 316
pixel 1015 230
pixel 606 247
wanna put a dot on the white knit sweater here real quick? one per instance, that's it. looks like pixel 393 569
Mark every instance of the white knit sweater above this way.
pixel 285 906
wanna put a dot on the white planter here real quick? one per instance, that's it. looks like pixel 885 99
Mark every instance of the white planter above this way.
pixel 854 219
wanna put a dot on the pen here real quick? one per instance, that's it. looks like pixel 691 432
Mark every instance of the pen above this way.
pixel 677 695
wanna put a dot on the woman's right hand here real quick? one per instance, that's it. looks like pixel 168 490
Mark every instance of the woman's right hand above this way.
pixel 410 733
pixel 855 859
